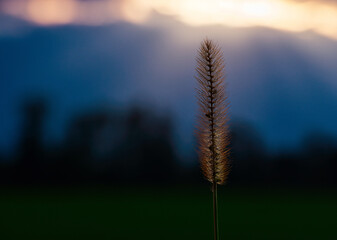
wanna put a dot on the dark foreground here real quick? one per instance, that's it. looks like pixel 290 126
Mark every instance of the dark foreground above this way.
pixel 167 213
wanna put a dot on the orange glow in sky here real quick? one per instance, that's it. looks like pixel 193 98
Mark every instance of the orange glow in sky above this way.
pixel 288 15
pixel 51 11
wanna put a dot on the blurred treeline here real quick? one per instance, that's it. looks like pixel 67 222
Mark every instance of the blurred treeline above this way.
pixel 136 146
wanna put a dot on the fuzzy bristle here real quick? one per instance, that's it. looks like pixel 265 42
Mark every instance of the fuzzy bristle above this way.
pixel 212 129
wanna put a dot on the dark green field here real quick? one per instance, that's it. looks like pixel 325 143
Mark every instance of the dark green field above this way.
pixel 167 214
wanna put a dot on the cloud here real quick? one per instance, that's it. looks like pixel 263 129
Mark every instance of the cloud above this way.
pixel 286 15
pixel 55 12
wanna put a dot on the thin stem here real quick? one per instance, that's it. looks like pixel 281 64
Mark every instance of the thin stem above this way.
pixel 215 211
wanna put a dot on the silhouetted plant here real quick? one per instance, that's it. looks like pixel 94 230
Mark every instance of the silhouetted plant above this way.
pixel 212 129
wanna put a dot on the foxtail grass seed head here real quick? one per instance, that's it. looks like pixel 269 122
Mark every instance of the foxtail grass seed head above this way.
pixel 212 127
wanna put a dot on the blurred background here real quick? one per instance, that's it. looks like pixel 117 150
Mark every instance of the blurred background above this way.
pixel 97 113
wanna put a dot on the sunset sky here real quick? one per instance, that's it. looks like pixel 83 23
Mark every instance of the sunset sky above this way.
pixel 288 15
pixel 280 60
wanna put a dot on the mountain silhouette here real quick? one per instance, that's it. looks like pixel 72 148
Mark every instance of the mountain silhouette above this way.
pixel 281 82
